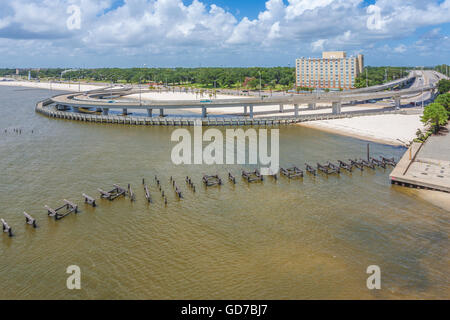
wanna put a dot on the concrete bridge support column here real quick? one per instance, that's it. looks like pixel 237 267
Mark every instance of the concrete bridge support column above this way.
pixel 245 110
pixel 124 111
pixel 398 103
pixel 105 111
pixel 204 112
pixel 150 112
pixel 337 107
pixel 161 112
pixel 312 106
pixel 281 108
pixel 296 110
pixel 251 112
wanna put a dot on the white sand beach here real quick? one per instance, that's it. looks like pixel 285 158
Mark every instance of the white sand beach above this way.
pixel 393 129
pixel 51 86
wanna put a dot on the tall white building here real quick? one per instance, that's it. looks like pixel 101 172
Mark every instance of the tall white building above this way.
pixel 333 71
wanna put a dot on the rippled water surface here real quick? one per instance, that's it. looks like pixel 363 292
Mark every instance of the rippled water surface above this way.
pixel 306 239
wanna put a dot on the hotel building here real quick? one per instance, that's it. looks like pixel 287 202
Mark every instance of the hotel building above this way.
pixel 333 71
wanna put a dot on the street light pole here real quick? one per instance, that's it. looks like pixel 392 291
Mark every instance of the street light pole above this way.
pixel 140 91
pixel 367 79
pixel 260 83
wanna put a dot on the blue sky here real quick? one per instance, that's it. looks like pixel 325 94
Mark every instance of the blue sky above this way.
pixel 171 33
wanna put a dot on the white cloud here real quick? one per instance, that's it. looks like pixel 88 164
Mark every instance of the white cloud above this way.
pixel 401 49
pixel 318 46
pixel 174 27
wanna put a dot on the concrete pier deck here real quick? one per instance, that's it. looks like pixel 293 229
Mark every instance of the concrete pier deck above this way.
pixel 426 165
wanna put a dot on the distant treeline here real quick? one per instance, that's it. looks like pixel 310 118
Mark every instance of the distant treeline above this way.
pixel 204 77
pixel 444 69
pixel 277 78
pixel 380 75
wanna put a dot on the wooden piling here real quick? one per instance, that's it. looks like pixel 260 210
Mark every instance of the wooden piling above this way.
pixel 310 169
pixel 147 194
pixel 89 200
pixel 131 193
pixel 30 220
pixel 6 228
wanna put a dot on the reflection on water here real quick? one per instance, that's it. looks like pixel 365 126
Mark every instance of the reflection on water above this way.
pixel 304 239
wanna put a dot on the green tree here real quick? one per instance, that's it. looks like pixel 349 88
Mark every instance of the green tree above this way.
pixel 444 100
pixel 444 86
pixel 436 115
pixel 253 84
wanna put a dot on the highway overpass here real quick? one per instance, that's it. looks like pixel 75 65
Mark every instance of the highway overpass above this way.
pixel 107 99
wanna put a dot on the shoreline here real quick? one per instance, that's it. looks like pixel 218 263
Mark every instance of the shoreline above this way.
pixel 393 130
pixel 437 198
pixel 360 136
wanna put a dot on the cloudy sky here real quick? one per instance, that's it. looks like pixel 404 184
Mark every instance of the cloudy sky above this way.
pixel 126 33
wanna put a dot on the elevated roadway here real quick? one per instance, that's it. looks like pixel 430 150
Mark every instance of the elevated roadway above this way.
pixel 118 98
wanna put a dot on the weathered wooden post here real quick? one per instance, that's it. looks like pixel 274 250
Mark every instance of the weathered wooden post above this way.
pixel 6 228
pixel 147 194
pixel 89 200
pixel 30 220
pixel 130 193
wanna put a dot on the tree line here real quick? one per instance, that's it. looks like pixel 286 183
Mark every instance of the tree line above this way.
pixel 379 75
pixel 277 77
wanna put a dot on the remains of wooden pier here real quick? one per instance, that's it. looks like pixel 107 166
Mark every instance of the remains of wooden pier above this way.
pixel 389 161
pixel 176 189
pixel 292 173
pixel 6 228
pixel 147 194
pixel 356 164
pixel 190 184
pixel 62 211
pixel 231 178
pixel 329 168
pixel 366 164
pixel 115 193
pixel 211 181
pixel 378 163
pixel 89 200
pixel 345 166
pixel 254 176
pixel 131 193
pixel 333 168
pixel 310 169
pixel 30 220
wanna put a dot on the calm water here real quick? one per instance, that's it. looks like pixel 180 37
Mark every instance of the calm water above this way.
pixel 306 239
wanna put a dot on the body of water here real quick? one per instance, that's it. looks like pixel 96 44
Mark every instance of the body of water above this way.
pixel 311 238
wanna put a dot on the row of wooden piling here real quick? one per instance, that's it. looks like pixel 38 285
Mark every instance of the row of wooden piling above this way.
pixel 69 207
pixel 190 184
pixel 209 181
pixel 331 168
